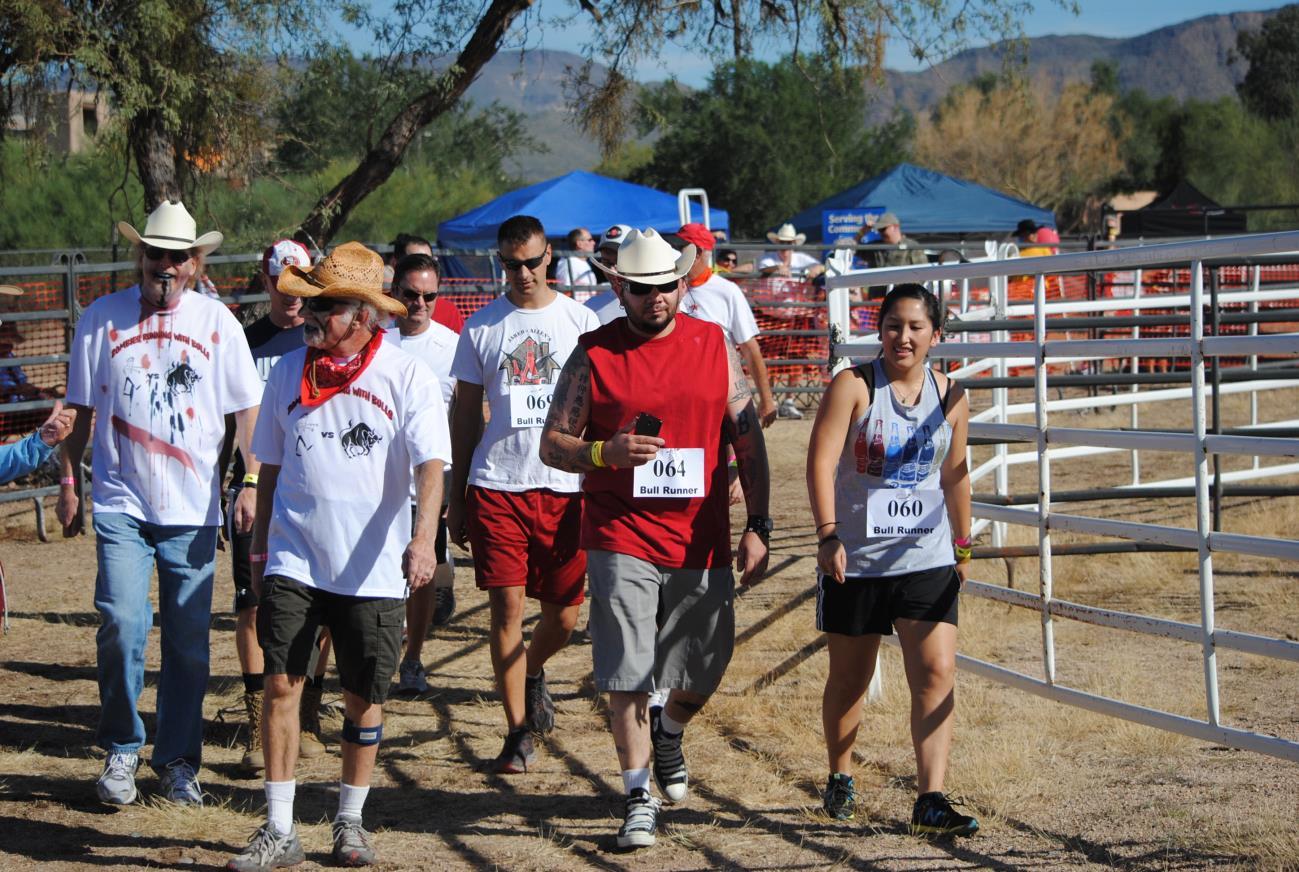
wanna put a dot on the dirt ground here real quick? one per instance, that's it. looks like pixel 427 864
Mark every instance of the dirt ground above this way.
pixel 1055 787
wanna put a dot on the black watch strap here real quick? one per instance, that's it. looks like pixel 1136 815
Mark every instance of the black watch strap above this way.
pixel 760 524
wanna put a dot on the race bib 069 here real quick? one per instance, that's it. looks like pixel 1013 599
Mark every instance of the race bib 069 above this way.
pixel 674 472
pixel 894 513
pixel 529 404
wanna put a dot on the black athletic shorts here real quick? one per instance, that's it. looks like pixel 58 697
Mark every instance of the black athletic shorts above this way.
pixel 864 606
pixel 366 633
pixel 241 545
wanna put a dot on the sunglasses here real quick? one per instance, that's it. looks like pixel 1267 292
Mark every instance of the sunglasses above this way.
pixel 729 260
pixel 640 289
pixel 176 256
pixel 513 265
pixel 415 295
pixel 320 305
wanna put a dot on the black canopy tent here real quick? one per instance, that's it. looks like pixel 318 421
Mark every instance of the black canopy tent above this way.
pixel 1184 211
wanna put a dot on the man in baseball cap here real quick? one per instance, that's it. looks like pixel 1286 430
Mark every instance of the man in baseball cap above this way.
pixel 713 298
pixel 270 337
pixel 606 305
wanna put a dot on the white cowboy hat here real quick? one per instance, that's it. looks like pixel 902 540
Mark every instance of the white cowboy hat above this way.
pixel 171 226
pixel 11 291
pixel 646 257
pixel 788 235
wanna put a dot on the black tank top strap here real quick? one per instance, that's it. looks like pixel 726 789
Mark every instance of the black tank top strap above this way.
pixel 867 373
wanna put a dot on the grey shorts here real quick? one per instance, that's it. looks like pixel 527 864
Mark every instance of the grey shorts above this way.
pixel 654 628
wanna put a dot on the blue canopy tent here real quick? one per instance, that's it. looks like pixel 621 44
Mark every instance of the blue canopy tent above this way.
pixel 576 199
pixel 926 202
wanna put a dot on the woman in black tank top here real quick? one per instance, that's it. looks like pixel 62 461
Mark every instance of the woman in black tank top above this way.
pixel 855 612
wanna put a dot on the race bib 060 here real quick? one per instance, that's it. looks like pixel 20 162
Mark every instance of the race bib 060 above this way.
pixel 529 404
pixel 674 472
pixel 894 513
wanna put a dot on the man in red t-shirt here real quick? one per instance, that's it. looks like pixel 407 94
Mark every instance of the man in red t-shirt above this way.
pixel 645 407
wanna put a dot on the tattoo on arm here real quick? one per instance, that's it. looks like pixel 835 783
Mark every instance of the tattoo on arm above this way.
pixel 740 390
pixel 562 445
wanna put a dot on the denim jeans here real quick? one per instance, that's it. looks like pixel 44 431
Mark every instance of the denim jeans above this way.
pixel 127 549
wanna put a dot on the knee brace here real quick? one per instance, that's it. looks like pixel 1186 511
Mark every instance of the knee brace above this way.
pixel 361 735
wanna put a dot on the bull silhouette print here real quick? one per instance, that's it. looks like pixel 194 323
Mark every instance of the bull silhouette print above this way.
pixel 358 440
pixel 181 378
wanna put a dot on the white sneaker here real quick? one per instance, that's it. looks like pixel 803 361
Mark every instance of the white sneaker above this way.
pixel 179 784
pixel 642 817
pixel 789 410
pixel 116 784
pixel 411 678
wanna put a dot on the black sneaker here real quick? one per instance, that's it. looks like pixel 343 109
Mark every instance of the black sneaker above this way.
pixel 516 755
pixel 840 799
pixel 669 763
pixel 933 815
pixel 640 820
pixel 444 605
pixel 539 707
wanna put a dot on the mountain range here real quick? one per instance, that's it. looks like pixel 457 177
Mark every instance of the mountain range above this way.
pixel 1190 59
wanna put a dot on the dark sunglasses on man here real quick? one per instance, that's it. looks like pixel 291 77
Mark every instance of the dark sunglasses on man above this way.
pixel 321 305
pixel 412 296
pixel 514 265
pixel 174 255
pixel 640 289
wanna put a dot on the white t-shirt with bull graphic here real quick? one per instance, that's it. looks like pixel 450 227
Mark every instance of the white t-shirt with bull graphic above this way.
pixel 161 384
pixel 341 520
pixel 516 355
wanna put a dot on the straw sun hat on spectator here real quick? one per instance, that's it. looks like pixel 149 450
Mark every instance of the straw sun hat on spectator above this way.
pixel 350 272
pixel 171 226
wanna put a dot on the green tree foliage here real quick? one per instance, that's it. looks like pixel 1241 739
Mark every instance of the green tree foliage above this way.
pixel 768 139
pixel 1271 86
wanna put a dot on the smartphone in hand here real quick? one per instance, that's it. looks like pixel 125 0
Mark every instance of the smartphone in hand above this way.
pixel 647 425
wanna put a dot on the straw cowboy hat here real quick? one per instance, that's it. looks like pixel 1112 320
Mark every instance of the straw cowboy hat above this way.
pixel 646 258
pixel 171 226
pixel 788 235
pixel 350 272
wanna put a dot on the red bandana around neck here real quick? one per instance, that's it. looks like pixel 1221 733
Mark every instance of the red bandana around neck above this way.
pixel 322 378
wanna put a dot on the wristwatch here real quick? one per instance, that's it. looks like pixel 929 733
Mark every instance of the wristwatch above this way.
pixel 760 524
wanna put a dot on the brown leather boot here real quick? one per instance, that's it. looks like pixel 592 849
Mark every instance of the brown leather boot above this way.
pixel 310 743
pixel 253 759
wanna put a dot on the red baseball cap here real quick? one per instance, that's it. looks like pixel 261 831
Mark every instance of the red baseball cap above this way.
pixel 698 235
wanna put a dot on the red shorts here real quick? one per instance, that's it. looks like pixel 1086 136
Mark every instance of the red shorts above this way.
pixel 528 539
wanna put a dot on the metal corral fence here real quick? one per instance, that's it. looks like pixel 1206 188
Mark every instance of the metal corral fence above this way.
pixel 1048 344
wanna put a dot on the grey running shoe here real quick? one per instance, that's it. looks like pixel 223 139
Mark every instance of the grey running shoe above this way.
pixel 669 763
pixel 411 680
pixel 540 708
pixel 444 605
pixel 268 849
pixel 352 845
pixel 179 783
pixel 116 784
pixel 840 798
pixel 640 821
pixel 517 754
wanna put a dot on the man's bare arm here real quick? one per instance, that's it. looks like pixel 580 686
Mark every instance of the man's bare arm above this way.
pixel 562 445
pixel 744 433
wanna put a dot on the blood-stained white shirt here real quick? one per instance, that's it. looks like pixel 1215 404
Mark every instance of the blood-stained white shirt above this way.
pixel 341 517
pixel 161 384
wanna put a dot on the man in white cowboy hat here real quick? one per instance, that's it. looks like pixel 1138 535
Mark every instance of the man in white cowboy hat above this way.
pixel 24 456
pixel 345 421
pixel 787 262
pixel 520 517
pixel 160 367
pixel 606 304
pixel 645 407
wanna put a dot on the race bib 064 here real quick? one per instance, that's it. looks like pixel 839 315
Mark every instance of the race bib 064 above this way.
pixel 894 513
pixel 529 404
pixel 674 472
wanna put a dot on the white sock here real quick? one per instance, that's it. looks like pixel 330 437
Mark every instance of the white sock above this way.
pixel 634 778
pixel 670 726
pixel 351 800
pixel 279 805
